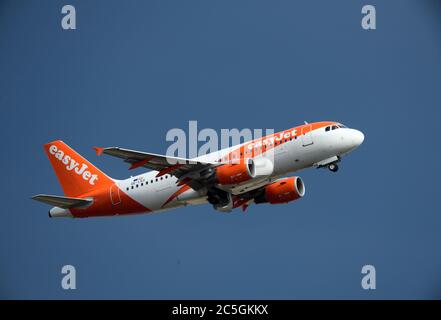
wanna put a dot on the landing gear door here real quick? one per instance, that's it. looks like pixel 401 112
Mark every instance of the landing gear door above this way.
pixel 307 135
pixel 114 195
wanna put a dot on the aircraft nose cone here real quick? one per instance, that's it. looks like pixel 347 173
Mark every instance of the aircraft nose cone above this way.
pixel 358 138
pixel 351 139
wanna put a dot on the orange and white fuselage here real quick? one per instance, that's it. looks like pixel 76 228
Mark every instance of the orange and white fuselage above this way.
pixel 234 177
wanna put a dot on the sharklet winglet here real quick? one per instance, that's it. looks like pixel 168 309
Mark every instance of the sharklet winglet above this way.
pixel 98 150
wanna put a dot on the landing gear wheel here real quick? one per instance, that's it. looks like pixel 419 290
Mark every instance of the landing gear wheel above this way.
pixel 333 167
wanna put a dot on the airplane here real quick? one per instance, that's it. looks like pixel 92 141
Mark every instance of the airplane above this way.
pixel 253 172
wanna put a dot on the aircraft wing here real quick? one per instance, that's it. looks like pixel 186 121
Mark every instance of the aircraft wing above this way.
pixel 179 167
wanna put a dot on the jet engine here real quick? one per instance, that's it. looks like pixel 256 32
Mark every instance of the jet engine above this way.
pixel 245 170
pixel 282 191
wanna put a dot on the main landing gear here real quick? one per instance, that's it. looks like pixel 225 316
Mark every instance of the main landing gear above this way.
pixel 333 167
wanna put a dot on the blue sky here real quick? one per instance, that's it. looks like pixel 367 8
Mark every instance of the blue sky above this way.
pixel 135 69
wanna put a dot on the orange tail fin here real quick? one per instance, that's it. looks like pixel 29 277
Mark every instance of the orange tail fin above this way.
pixel 76 175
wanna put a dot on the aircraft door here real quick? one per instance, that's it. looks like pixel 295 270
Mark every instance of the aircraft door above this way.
pixel 114 195
pixel 307 135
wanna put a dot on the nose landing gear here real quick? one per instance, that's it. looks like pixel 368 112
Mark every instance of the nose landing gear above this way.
pixel 333 167
pixel 330 163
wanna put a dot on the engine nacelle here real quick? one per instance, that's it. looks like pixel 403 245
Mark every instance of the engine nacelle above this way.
pixel 235 172
pixel 282 191
pixel 263 167
pixel 245 170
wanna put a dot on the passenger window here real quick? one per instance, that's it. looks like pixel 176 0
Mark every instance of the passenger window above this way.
pixel 132 187
pixel 127 189
pixel 137 185
pixel 151 181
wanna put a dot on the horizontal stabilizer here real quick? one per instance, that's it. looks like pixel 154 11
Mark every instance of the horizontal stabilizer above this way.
pixel 62 202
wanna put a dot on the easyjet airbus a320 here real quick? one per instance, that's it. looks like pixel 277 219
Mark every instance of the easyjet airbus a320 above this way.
pixel 252 172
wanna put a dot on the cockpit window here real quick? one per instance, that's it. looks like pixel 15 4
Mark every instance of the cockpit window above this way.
pixel 335 126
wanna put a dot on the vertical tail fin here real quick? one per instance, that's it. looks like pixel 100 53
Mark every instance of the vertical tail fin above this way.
pixel 76 175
